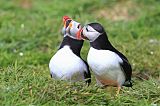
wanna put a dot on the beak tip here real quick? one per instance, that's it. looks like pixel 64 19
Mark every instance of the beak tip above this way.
pixel 79 34
pixel 65 18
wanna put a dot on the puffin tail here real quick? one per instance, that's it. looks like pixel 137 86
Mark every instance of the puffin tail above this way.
pixel 87 78
pixel 128 84
pixel 87 74
pixel 51 75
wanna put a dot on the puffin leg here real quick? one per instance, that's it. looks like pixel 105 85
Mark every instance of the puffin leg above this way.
pixel 118 90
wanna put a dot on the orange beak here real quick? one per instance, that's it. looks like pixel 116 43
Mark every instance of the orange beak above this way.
pixel 78 34
pixel 65 19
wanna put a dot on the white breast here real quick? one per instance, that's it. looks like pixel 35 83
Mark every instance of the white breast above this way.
pixel 66 65
pixel 105 64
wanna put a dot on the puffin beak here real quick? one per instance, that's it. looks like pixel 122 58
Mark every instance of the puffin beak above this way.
pixel 65 18
pixel 67 21
pixel 80 35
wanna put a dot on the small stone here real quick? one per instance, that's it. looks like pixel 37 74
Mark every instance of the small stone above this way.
pixel 22 25
pixel 21 54
pixel 151 52
pixel 153 104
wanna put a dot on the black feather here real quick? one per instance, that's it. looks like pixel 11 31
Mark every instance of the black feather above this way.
pixel 74 44
pixel 87 75
pixel 126 68
pixel 51 75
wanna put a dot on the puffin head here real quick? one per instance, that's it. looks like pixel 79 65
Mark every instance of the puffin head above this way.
pixel 92 31
pixel 71 28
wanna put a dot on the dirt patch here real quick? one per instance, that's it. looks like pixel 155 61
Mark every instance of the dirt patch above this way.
pixel 124 10
pixel 141 75
pixel 25 4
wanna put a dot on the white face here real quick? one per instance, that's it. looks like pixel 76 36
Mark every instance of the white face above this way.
pixel 90 33
pixel 72 29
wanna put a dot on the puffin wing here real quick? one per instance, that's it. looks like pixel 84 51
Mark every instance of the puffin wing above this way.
pixel 125 66
pixel 127 69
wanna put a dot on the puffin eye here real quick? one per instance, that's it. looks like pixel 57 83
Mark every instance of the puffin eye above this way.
pixel 78 26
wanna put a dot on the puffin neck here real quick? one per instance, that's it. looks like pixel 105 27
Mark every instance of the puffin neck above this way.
pixel 74 44
pixel 102 43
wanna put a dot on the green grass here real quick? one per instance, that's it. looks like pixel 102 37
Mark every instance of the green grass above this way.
pixel 30 35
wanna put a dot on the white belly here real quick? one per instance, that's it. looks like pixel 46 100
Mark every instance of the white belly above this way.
pixel 66 65
pixel 105 65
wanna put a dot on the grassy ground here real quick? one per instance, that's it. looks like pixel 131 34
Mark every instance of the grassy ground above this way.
pixel 30 35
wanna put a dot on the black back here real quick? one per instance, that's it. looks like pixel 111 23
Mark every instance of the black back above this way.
pixel 76 46
pixel 102 43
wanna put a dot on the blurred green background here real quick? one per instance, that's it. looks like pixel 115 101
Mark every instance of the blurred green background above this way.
pixel 30 34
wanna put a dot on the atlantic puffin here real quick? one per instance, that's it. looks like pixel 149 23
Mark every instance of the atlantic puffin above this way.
pixel 111 67
pixel 67 64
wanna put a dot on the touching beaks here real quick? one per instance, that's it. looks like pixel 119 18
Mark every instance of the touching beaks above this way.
pixel 80 35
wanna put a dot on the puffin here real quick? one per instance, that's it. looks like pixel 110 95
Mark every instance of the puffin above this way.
pixel 66 63
pixel 110 67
